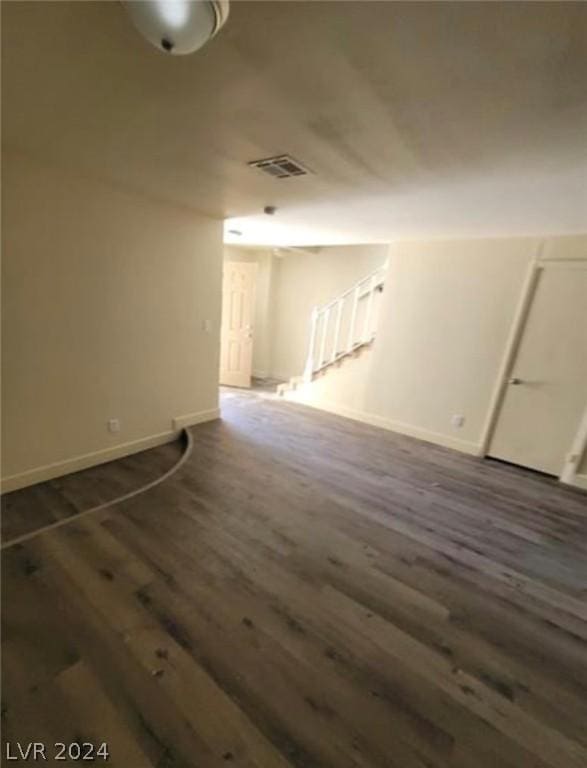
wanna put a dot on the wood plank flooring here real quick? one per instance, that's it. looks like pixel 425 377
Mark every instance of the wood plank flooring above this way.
pixel 42 504
pixel 308 591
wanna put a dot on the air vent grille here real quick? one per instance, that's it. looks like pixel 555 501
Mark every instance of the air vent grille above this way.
pixel 280 167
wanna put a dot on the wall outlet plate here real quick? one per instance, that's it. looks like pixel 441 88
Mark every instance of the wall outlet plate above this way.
pixel 457 420
pixel 113 425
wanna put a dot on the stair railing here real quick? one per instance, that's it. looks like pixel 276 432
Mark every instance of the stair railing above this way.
pixel 326 342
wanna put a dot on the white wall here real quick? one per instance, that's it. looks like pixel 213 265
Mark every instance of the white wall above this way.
pixel 447 310
pixel 104 298
pixel 304 279
pixel 288 287
pixel 573 248
pixel 446 318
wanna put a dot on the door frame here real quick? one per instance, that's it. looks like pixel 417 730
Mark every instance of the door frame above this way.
pixel 536 266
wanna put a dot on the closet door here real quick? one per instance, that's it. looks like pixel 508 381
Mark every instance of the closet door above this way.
pixel 547 390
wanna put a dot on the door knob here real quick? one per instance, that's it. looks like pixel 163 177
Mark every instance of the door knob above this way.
pixel 514 381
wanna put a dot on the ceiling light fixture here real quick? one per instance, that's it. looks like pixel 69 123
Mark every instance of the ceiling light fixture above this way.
pixel 177 26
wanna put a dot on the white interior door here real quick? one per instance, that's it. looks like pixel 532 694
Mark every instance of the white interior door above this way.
pixel 547 390
pixel 238 308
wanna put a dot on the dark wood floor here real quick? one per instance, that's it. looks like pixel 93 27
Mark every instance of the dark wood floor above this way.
pixel 308 591
pixel 42 504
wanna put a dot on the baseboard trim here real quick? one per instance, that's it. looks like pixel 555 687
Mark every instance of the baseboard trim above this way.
pixel 447 441
pixel 188 442
pixel 86 460
pixel 578 481
pixel 191 419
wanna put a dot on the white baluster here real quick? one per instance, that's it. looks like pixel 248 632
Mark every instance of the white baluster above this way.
pixel 351 342
pixel 309 370
pixel 320 320
pixel 326 316
pixel 339 305
pixel 368 310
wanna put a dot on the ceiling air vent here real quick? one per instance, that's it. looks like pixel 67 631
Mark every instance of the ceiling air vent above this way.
pixel 280 167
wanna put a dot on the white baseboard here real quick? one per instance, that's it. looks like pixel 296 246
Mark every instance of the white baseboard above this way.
pixel 465 446
pixel 579 481
pixel 190 419
pixel 86 460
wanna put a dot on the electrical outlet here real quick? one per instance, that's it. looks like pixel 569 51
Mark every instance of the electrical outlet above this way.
pixel 206 326
pixel 113 425
pixel 457 420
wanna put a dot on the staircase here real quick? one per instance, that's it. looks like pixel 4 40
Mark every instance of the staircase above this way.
pixel 341 328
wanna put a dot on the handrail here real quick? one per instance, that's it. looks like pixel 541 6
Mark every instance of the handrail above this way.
pixel 321 307
pixel 328 349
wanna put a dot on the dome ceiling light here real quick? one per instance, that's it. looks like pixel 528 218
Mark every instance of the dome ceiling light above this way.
pixel 177 26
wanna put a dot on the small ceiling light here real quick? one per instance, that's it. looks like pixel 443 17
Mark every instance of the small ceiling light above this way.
pixel 177 26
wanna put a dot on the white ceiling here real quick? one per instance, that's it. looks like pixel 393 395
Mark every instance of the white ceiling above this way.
pixel 418 119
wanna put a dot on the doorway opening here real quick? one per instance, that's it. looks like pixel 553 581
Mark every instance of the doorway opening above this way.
pixel 237 327
pixel 245 342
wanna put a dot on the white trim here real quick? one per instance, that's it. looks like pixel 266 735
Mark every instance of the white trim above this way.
pixel 190 419
pixel 189 444
pixel 569 475
pixel 578 481
pixel 457 444
pixel 86 460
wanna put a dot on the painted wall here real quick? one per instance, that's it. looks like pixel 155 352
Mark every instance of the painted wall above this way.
pixel 304 279
pixel 448 309
pixel 446 313
pixel 104 298
pixel 444 326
